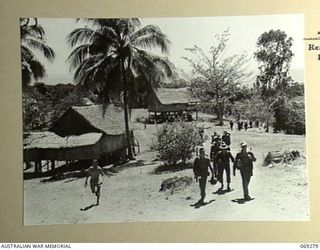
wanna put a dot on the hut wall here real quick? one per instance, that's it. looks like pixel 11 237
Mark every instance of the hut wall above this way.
pixel 111 143
pixel 76 153
pixel 31 155
pixel 171 108
pixel 72 123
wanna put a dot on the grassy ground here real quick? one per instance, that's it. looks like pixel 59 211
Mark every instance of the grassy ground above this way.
pixel 130 192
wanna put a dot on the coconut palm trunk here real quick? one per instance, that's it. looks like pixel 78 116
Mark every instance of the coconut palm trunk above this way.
pixel 126 113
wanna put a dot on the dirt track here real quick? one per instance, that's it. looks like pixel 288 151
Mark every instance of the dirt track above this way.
pixel 132 192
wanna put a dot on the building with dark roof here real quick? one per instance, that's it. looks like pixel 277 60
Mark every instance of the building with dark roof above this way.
pixel 171 101
pixel 81 133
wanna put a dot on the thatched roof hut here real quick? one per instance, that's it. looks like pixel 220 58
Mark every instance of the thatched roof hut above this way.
pixel 86 119
pixel 172 100
pixel 85 132
pixel 50 146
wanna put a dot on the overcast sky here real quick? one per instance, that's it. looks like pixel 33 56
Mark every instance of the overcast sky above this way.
pixel 184 33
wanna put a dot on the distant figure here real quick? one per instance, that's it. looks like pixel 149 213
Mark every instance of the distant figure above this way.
pixel 250 124
pixel 201 167
pixel 231 125
pixel 239 125
pixel 94 173
pixel 214 149
pixel 257 124
pixel 226 138
pixel 244 162
pixel 222 159
pixel 245 125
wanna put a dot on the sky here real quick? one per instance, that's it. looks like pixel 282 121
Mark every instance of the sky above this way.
pixel 185 32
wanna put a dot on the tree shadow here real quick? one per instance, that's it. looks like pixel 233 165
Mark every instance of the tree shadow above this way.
pixel 172 168
pixel 222 191
pixel 199 204
pixel 242 200
pixel 118 167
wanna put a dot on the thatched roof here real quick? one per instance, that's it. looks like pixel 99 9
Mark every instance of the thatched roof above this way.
pixel 108 120
pixel 167 96
pixel 49 140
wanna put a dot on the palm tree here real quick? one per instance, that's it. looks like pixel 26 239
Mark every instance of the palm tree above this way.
pixel 32 38
pixel 111 54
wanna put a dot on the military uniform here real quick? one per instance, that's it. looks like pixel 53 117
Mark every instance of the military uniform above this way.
pixel 244 162
pixel 215 148
pixel 201 167
pixel 223 162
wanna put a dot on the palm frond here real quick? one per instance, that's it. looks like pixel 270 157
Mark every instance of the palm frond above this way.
pixel 38 70
pixel 152 68
pixel 80 35
pixel 78 55
pixel 41 46
pixel 150 37
pixel 26 53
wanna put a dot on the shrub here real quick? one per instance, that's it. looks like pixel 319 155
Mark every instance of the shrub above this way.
pixel 176 142
pixel 290 116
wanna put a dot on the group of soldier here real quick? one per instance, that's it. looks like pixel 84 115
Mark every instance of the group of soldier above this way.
pixel 220 157
pixel 244 124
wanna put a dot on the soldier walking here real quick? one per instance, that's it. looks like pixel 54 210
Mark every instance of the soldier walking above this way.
pixel 244 162
pixel 226 138
pixel 201 167
pixel 214 149
pixel 222 159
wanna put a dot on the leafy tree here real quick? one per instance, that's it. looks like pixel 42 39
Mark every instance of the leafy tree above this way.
pixel 289 112
pixel 216 76
pixel 32 37
pixel 274 56
pixel 110 54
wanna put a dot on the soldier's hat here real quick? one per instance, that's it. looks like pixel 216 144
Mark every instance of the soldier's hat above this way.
pixel 243 144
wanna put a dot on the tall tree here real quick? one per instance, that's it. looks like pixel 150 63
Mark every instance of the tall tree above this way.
pixel 274 56
pixel 32 37
pixel 215 75
pixel 110 54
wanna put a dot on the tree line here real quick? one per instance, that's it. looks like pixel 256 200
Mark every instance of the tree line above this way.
pixel 114 59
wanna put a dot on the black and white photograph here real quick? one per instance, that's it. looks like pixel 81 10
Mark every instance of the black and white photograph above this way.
pixel 163 119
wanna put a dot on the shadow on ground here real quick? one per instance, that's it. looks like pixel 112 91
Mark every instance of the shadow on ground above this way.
pixel 242 200
pixel 172 168
pixel 222 191
pixel 199 204
pixel 88 207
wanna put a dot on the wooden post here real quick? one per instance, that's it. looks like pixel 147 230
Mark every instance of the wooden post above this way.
pixel 53 164
pixel 35 166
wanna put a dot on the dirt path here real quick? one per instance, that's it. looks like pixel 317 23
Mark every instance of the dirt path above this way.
pixel 132 193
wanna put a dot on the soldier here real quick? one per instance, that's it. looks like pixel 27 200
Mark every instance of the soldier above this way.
pixel 231 125
pixel 214 149
pixel 226 138
pixel 244 162
pixel 201 167
pixel 222 159
pixel 245 125
pixel 94 173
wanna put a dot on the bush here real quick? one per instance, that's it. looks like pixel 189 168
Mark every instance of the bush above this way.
pixel 176 142
pixel 290 117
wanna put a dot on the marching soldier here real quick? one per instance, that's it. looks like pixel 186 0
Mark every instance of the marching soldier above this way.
pixel 244 162
pixel 222 159
pixel 201 167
